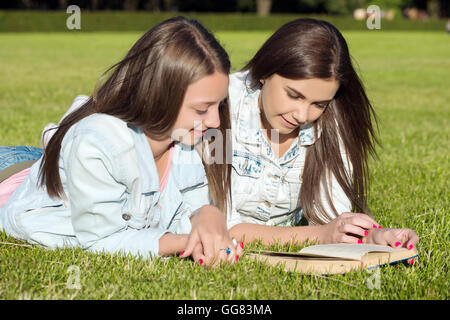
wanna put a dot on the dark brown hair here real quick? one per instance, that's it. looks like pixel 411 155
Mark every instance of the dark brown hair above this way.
pixel 147 88
pixel 306 49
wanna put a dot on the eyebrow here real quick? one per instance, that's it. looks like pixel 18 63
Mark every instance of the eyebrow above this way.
pixel 203 104
pixel 303 97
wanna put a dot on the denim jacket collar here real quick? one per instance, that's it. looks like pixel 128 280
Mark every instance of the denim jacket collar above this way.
pixel 182 156
pixel 146 161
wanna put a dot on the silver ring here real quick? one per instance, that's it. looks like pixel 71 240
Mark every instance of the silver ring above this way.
pixel 227 250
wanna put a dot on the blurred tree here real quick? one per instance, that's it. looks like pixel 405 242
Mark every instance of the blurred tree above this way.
pixel 300 6
pixel 207 5
pixel 263 7
pixel 246 6
pixel 344 6
pixel 130 5
pixel 168 5
pixel 151 5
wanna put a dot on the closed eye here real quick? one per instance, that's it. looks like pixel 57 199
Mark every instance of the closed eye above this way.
pixel 295 97
pixel 322 106
pixel 200 112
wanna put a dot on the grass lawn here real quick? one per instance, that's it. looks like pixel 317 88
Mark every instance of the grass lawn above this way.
pixel 407 75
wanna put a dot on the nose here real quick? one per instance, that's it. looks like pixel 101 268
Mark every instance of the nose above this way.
pixel 301 114
pixel 213 118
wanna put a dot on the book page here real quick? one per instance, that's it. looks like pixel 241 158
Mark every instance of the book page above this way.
pixel 345 250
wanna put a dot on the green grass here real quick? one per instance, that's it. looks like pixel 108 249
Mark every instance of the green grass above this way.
pixel 406 76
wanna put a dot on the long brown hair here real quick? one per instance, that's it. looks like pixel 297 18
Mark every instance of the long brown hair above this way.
pixel 147 88
pixel 310 48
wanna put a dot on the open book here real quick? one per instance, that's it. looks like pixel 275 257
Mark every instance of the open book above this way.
pixel 334 258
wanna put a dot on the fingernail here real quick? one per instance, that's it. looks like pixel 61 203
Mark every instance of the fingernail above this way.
pixel 236 258
pixel 374 226
pixel 412 261
pixel 366 232
pixel 200 261
pixel 242 245
pixel 411 246
pixel 379 227
pixel 359 241
pixel 182 252
pixel 397 244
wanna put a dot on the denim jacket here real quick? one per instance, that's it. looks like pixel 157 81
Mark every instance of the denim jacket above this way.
pixel 113 201
pixel 266 189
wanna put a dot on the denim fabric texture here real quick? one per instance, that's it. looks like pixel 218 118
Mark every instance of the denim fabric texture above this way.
pixel 16 154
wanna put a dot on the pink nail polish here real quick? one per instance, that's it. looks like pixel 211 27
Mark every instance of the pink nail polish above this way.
pixel 242 245
pixel 359 241
pixel 379 227
pixel 374 226
pixel 200 261
pixel 182 252
pixel 236 258
pixel 366 232
pixel 397 244
pixel 411 246
pixel 412 261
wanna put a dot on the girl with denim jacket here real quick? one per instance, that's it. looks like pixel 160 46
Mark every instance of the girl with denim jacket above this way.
pixel 122 172
pixel 301 134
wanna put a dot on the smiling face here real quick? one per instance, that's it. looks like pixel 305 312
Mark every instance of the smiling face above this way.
pixel 200 108
pixel 288 104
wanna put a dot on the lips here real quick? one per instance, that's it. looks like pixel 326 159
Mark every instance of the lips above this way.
pixel 198 133
pixel 288 123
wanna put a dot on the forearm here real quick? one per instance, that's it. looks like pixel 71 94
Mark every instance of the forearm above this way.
pixel 248 232
pixel 170 244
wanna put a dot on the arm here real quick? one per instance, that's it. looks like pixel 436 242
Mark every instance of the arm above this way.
pixel 248 232
pixel 96 191
pixel 170 243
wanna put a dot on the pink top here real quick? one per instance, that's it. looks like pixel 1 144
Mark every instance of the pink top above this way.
pixel 166 172
pixel 8 186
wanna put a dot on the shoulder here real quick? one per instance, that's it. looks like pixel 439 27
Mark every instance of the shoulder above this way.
pixel 240 92
pixel 105 129
pixel 238 86
pixel 100 137
pixel 238 81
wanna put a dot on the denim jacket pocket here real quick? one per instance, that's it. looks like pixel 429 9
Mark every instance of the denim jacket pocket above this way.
pixel 293 178
pixel 247 165
pixel 247 172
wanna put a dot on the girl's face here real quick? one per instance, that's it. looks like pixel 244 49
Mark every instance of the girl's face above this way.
pixel 288 104
pixel 200 108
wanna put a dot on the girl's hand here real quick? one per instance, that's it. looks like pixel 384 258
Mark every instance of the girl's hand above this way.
pixel 209 239
pixel 197 254
pixel 396 238
pixel 347 228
